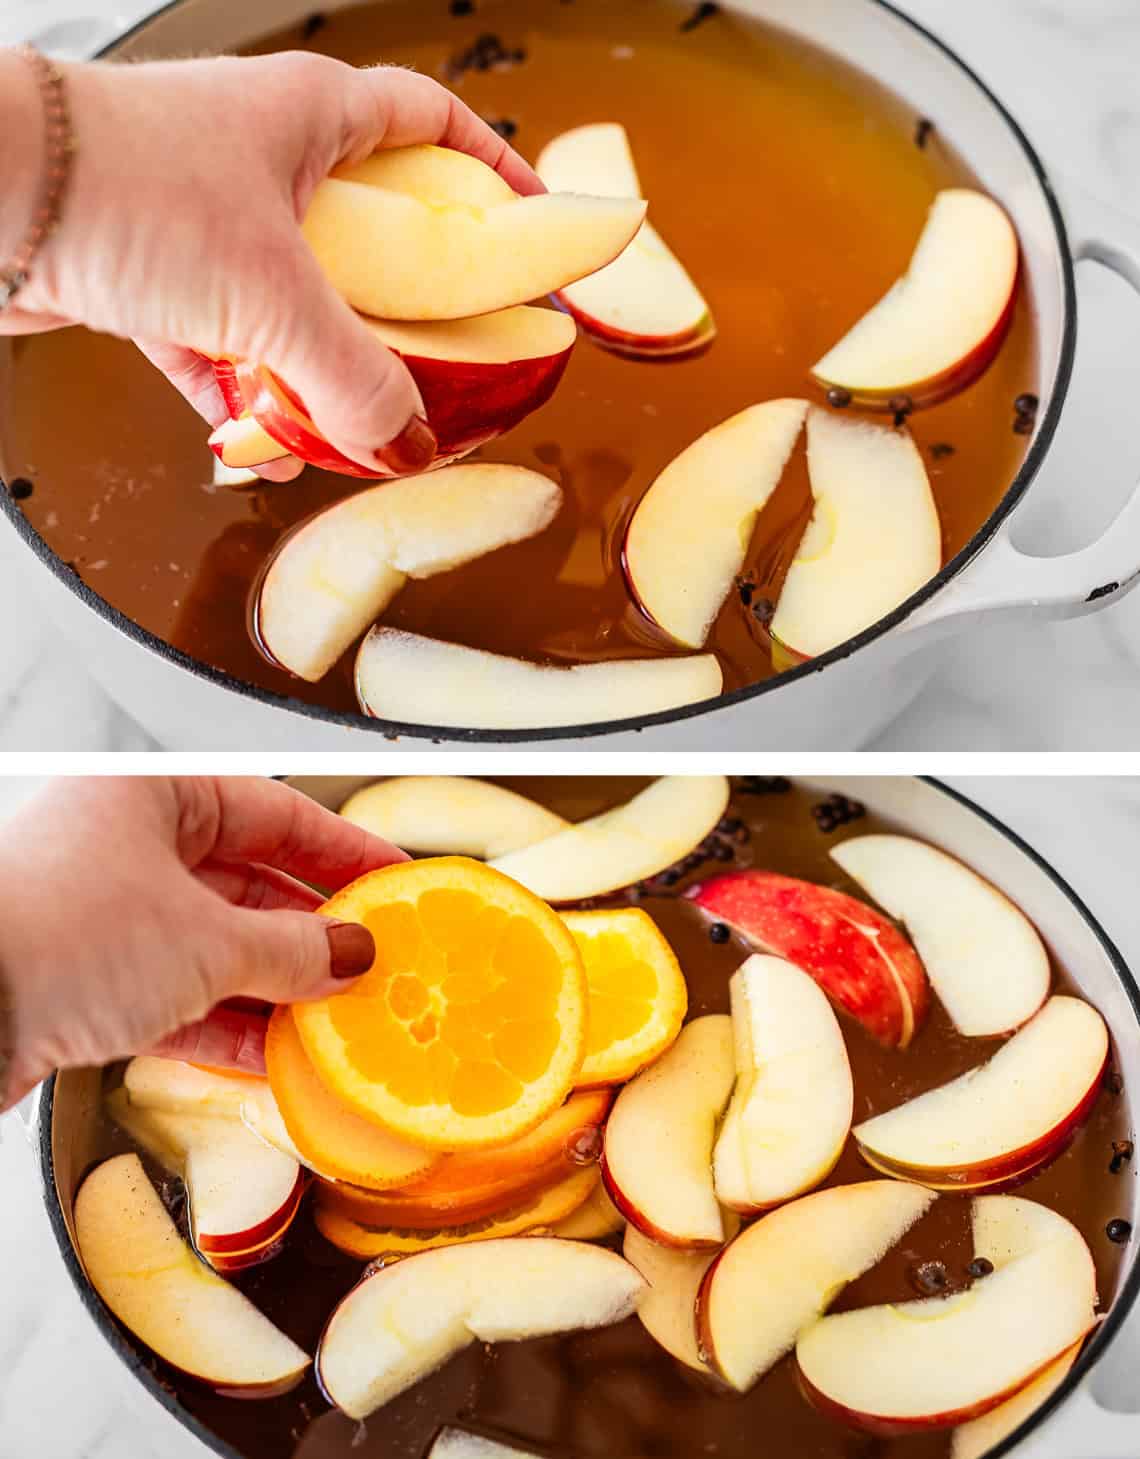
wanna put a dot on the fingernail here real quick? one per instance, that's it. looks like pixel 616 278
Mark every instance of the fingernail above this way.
pixel 412 450
pixel 351 949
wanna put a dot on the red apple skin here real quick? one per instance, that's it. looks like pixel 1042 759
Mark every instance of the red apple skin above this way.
pixel 641 346
pixel 273 1226
pixel 637 1218
pixel 815 928
pixel 467 405
pixel 225 373
pixel 705 1344
pixel 1009 1170
pixel 938 387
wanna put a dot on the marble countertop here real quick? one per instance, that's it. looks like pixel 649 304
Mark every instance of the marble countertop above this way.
pixel 1068 73
pixel 61 1394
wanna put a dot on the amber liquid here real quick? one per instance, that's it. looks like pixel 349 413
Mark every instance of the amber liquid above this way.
pixel 614 1394
pixel 793 188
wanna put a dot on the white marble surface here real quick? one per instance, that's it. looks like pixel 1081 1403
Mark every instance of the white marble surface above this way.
pixel 61 1396
pixel 1067 69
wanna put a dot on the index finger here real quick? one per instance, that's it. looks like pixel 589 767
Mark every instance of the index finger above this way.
pixel 251 820
pixel 414 108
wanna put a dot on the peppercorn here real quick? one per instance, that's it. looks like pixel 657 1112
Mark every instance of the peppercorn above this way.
pixel 838 398
pixel 703 12
pixel 20 488
pixel 940 450
pixel 981 1266
pixel 922 131
pixel 1119 1231
pixel 1121 1154
pixel 928 1277
pixel 764 785
pixel 719 932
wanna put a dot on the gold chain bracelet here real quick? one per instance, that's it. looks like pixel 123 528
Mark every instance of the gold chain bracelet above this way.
pixel 60 149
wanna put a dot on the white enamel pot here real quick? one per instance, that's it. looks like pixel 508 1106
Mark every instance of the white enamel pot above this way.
pixel 839 700
pixel 1070 1424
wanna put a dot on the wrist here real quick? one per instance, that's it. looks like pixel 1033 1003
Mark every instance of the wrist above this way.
pixel 23 150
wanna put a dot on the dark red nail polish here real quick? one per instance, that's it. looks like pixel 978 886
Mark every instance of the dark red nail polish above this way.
pixel 412 450
pixel 351 949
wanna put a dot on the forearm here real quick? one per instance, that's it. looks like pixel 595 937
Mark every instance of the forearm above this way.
pixel 22 150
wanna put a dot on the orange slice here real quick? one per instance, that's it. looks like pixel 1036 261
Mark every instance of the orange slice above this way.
pixel 637 993
pixel 470 1026
pixel 333 1139
pixel 478 1184
pixel 551 1207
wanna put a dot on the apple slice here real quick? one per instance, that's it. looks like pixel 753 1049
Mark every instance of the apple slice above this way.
pixel 944 1360
pixel 435 175
pixel 669 1309
pixel 242 443
pixel 399 257
pixel 687 540
pixel 458 1444
pixel 980 1436
pixel 450 815
pixel 861 961
pixel 1005 1119
pixel 242 1194
pixel 874 537
pixel 781 1273
pixel 984 958
pixel 399 1324
pixel 477 378
pixel 791 1106
pixel 155 1285
pixel 941 324
pixel 329 580
pixel 643 304
pixel 657 1161
pixel 179 1088
pixel 414 680
pixel 635 840
pixel 232 476
pixel 596 1218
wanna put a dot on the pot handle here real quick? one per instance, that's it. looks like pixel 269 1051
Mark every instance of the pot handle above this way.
pixel 1003 578
pixel 1081 1426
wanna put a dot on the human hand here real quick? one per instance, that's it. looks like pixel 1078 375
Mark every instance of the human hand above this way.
pixel 181 229
pixel 131 908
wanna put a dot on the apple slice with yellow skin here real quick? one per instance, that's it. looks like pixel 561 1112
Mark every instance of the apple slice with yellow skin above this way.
pixel 477 378
pixel 451 815
pixel 669 1310
pixel 242 443
pixel 181 1088
pixel 980 1436
pixel 657 1161
pixel 791 1105
pixel 998 1123
pixel 435 175
pixel 874 537
pixel 861 960
pixel 643 304
pixel 942 1361
pixel 941 324
pixel 781 1273
pixel 405 1320
pixel 984 957
pixel 395 256
pixel 415 680
pixel 155 1285
pixel 687 540
pixel 637 839
pixel 329 580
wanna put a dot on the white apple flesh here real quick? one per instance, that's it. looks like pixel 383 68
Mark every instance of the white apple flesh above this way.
pixel 942 323
pixel 791 1105
pixel 687 540
pixel 982 955
pixel 643 304
pixel 636 839
pixel 874 537
pixel 155 1285
pixel 242 443
pixel 997 1123
pixel 669 1310
pixel 457 1444
pixel 657 1160
pixel 980 1436
pixel 403 1321
pixel 395 256
pixel 170 1084
pixel 435 175
pixel 415 680
pixel 941 1361
pixel 451 815
pixel 783 1272
pixel 330 579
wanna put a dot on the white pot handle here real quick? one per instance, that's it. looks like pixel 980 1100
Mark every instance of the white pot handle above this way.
pixel 1003 578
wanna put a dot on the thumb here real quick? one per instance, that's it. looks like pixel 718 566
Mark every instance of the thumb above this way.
pixel 360 395
pixel 289 957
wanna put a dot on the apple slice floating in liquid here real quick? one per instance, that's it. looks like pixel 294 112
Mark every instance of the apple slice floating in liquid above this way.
pixel 999 1122
pixel 457 1444
pixel 942 323
pixel 402 1322
pixel 643 304
pixel 451 815
pixel 874 537
pixel 687 540
pixel 985 960
pixel 334 575
pixel 415 680
pixel 669 1310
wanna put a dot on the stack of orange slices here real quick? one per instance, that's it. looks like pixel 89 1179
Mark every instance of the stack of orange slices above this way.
pixel 458 1090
